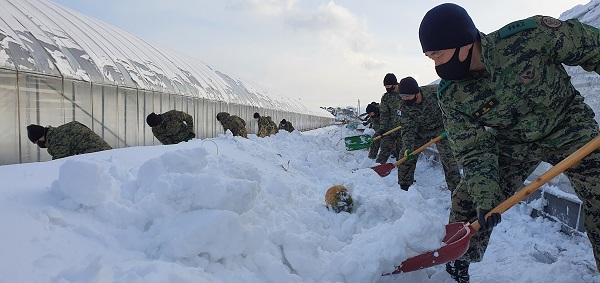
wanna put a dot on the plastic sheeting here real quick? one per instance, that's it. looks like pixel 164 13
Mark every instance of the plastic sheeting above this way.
pixel 57 66
pixel 42 37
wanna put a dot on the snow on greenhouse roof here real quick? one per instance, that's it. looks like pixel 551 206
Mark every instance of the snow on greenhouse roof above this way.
pixel 42 37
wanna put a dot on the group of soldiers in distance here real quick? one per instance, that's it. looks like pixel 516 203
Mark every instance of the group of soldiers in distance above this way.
pixel 415 109
pixel 171 127
pixel 504 104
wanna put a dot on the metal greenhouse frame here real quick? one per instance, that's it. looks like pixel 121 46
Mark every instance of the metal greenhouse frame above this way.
pixel 57 66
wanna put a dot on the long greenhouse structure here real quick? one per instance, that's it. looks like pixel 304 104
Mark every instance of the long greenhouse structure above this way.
pixel 57 66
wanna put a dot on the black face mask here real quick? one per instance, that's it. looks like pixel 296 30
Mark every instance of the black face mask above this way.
pixel 390 90
pixel 455 69
pixel 410 102
pixel 41 144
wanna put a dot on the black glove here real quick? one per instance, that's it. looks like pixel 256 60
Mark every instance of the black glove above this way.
pixel 365 123
pixel 490 222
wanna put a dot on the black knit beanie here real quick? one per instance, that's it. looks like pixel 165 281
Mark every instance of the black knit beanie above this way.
pixel 35 132
pixel 390 79
pixel 153 119
pixel 408 85
pixel 371 108
pixel 447 26
pixel 222 116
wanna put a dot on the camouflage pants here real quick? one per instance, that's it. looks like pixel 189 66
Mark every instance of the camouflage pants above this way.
pixel 389 146
pixel 406 170
pixel 517 162
pixel 242 132
pixel 374 149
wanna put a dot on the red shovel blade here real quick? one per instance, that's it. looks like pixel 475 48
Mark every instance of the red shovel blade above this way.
pixel 456 243
pixel 384 169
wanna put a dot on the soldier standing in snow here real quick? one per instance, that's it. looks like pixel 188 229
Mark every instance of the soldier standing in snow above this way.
pixel 66 140
pixel 172 127
pixel 266 126
pixel 508 104
pixel 421 120
pixel 389 118
pixel 235 124
pixel 373 120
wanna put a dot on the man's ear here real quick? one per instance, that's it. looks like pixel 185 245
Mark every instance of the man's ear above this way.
pixel 463 52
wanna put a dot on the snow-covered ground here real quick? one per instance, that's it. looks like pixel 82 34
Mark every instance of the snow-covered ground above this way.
pixel 230 209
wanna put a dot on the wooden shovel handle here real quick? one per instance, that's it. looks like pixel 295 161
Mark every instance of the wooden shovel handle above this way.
pixel 387 133
pixel 418 150
pixel 544 178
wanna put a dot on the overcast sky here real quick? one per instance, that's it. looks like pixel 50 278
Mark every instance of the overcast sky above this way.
pixel 324 53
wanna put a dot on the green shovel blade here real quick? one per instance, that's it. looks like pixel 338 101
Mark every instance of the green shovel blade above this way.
pixel 358 142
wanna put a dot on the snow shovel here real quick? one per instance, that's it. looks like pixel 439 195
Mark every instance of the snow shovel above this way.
pixel 458 235
pixel 364 141
pixel 385 169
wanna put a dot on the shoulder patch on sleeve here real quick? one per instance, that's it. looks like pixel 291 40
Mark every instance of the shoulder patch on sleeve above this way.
pixel 443 85
pixel 517 26
pixel 551 22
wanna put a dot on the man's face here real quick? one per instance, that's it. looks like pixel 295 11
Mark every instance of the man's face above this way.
pixel 452 64
pixel 390 88
pixel 440 57
pixel 408 96
pixel 41 142
pixel 371 114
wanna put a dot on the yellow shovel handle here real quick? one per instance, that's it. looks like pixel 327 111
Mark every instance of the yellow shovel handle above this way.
pixel 387 133
pixel 544 178
pixel 418 150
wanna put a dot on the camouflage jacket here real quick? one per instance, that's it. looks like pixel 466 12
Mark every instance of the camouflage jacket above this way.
pixel 287 126
pixel 424 118
pixel 73 138
pixel 177 126
pixel 518 100
pixel 389 113
pixel 266 126
pixel 235 124
pixel 374 122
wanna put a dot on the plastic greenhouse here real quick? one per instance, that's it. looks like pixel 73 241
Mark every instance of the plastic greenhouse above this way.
pixel 57 66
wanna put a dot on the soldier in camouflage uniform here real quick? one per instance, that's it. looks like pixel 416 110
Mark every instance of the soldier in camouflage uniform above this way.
pixel 286 125
pixel 421 120
pixel 509 104
pixel 389 119
pixel 266 126
pixel 373 120
pixel 235 124
pixel 69 139
pixel 172 127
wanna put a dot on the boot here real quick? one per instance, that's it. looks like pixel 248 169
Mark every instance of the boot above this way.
pixel 459 270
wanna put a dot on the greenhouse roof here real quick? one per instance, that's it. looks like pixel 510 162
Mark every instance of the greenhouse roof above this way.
pixel 42 37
